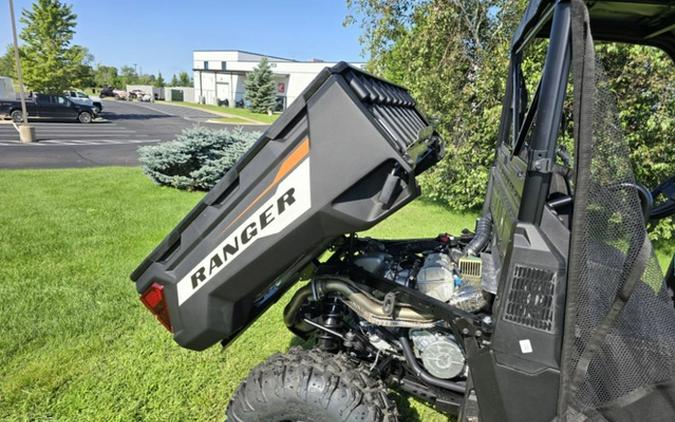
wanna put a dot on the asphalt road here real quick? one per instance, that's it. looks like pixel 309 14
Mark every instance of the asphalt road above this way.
pixel 112 141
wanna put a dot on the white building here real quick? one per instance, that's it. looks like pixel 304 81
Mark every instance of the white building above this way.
pixel 219 75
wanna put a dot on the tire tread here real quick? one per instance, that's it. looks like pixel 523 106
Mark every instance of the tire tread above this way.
pixel 320 385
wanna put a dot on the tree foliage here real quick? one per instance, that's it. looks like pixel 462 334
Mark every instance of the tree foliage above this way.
pixel 50 62
pixel 105 76
pixel 84 72
pixel 7 63
pixel 260 88
pixel 643 79
pixel 453 56
pixel 110 76
pixel 184 79
pixel 159 81
pixel 174 81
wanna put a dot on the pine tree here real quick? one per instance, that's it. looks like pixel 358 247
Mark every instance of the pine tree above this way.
pixel 50 62
pixel 159 82
pixel 174 81
pixel 184 79
pixel 260 88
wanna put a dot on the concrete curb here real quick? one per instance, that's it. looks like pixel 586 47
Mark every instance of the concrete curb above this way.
pixel 246 123
pixel 218 113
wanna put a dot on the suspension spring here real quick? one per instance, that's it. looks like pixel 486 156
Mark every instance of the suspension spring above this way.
pixel 332 319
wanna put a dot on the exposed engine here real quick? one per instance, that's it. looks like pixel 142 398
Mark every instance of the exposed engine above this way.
pixel 436 275
pixel 395 303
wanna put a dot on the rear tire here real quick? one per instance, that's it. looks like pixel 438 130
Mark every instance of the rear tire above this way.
pixel 17 116
pixel 84 117
pixel 311 386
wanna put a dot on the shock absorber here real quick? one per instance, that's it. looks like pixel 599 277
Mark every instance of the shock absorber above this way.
pixel 332 320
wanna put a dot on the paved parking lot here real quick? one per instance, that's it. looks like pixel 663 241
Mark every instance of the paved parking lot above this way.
pixel 112 141
pixel 63 133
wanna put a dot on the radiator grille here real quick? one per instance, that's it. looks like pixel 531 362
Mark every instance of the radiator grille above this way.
pixel 530 301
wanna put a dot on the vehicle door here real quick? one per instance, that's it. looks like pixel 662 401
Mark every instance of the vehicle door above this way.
pixel 45 107
pixel 31 106
pixel 64 108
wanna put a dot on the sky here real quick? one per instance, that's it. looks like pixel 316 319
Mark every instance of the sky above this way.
pixel 160 35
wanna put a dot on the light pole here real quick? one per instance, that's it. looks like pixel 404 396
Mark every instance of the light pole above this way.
pixel 26 132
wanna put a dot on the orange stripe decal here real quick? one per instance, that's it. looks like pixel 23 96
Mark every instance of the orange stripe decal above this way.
pixel 294 158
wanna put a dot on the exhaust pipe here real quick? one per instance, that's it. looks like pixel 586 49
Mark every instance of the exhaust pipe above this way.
pixel 361 302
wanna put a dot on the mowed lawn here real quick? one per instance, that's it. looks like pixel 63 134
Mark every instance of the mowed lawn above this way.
pixel 77 345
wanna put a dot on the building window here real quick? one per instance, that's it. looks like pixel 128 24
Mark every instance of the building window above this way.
pixel 223 65
pixel 206 65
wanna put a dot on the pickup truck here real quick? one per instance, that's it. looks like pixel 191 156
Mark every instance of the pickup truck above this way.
pixel 80 97
pixel 44 106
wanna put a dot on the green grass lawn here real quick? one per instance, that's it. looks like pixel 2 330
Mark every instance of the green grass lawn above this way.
pixel 241 112
pixel 77 345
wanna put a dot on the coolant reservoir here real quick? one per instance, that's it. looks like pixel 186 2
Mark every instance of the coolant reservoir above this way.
pixel 435 277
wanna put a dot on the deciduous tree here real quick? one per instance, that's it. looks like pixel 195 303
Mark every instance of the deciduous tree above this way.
pixel 453 56
pixel 7 63
pixel 50 62
pixel 106 76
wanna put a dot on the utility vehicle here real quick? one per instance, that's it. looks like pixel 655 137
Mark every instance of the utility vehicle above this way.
pixel 553 308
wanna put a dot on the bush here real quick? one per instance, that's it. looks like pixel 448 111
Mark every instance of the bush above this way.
pixel 197 159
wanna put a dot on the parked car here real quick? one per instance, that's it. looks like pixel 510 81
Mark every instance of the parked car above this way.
pixel 120 94
pixel 136 94
pixel 43 106
pixel 107 91
pixel 80 97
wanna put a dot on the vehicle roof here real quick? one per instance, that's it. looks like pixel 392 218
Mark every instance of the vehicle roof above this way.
pixel 647 22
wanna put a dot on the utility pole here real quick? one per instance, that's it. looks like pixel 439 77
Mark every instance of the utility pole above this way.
pixel 26 132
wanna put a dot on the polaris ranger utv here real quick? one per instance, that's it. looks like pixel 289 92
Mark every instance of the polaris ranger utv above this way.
pixel 554 309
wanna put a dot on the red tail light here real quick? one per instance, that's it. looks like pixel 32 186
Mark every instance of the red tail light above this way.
pixel 153 299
